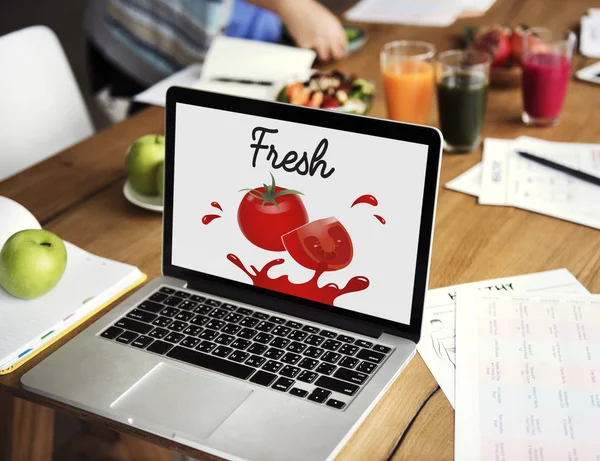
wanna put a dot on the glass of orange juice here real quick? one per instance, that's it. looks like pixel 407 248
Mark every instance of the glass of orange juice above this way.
pixel 408 80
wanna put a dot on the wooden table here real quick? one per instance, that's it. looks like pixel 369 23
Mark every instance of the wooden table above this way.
pixel 78 195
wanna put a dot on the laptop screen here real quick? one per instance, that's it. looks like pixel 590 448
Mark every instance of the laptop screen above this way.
pixel 327 215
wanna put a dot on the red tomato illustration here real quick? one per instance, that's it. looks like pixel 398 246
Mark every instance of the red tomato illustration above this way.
pixel 322 241
pixel 266 213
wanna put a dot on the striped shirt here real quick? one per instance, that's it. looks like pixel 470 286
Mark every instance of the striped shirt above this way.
pixel 151 39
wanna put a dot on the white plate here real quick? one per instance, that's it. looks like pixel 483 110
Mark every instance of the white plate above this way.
pixel 154 203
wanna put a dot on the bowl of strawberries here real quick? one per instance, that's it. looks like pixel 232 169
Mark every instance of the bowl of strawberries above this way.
pixel 505 45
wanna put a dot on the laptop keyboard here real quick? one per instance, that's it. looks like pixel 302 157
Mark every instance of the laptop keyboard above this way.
pixel 274 351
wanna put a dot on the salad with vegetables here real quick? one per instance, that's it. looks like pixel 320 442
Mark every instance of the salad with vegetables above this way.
pixel 332 90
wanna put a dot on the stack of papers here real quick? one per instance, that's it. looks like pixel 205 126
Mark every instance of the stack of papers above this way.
pixel 438 336
pixel 519 357
pixel 437 13
pixel 238 67
pixel 519 360
pixel 527 376
pixel 505 178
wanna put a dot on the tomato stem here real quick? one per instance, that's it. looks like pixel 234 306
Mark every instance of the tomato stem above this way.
pixel 269 195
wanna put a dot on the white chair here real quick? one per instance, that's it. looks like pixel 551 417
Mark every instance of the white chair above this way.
pixel 41 107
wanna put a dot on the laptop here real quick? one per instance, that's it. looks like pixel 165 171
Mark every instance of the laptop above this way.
pixel 296 247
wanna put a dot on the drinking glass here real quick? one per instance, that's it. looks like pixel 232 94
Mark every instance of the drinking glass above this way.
pixel 462 86
pixel 547 58
pixel 408 80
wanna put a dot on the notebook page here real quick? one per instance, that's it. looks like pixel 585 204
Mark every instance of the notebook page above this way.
pixel 88 282
pixel 14 218
pixel 248 59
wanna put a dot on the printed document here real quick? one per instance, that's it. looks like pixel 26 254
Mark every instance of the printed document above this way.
pixel 509 179
pixel 527 376
pixel 438 336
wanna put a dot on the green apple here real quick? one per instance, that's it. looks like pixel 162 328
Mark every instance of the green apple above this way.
pixel 160 179
pixel 32 262
pixel 143 158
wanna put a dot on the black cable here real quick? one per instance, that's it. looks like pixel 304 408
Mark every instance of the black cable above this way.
pixel 410 423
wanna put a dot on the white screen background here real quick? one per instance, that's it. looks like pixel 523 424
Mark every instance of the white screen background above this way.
pixel 213 161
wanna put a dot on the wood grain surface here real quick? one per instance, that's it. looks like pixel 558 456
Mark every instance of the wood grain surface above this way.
pixel 78 195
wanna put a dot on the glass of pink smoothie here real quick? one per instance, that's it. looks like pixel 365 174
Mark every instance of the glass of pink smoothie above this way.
pixel 546 62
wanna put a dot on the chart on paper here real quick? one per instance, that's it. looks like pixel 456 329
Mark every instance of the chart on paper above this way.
pixel 438 334
pixel 509 179
pixel 527 382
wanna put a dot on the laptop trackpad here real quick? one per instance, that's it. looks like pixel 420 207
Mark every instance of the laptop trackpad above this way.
pixel 174 401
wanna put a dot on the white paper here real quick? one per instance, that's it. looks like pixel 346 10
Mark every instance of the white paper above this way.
pixel 577 156
pixel 468 182
pixel 437 344
pixel 509 179
pixel 14 218
pixel 156 95
pixel 438 13
pixel 527 381
pixel 476 7
pixel 238 59
pixel 190 78
pixel 590 73
pixel 253 60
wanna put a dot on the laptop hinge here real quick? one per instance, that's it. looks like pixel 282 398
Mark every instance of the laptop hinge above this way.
pixel 308 313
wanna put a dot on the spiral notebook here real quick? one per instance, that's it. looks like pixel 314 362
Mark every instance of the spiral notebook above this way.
pixel 90 283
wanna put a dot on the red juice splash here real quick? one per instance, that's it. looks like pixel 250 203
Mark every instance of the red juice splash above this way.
pixel 310 289
pixel 381 219
pixel 367 198
pixel 216 205
pixel 207 219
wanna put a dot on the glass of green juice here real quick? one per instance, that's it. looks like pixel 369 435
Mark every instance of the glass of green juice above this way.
pixel 462 78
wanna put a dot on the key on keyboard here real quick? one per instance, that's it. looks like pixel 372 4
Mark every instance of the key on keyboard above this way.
pixel 126 337
pixel 263 378
pixel 142 316
pixel 142 341
pixel 133 325
pixel 211 362
pixel 319 395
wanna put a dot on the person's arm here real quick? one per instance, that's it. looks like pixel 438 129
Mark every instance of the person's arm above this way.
pixel 311 25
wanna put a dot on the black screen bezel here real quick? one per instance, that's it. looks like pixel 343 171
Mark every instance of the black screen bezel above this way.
pixel 327 119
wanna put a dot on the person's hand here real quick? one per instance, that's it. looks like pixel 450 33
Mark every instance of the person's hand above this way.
pixel 313 26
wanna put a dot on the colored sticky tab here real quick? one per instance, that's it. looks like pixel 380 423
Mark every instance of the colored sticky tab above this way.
pixel 24 353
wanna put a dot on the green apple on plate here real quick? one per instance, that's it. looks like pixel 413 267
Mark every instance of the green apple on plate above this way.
pixel 145 171
pixel 143 159
pixel 32 262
